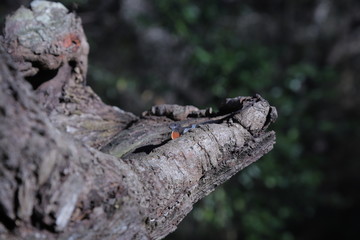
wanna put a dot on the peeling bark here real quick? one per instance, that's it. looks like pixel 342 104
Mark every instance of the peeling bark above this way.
pixel 75 168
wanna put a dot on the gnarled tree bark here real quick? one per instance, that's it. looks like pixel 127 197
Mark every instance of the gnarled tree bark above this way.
pixel 75 168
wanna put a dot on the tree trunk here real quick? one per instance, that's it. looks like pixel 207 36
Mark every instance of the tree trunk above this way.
pixel 75 168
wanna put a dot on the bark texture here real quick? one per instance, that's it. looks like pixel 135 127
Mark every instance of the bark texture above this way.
pixel 75 168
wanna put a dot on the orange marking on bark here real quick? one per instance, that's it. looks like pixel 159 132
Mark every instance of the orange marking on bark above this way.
pixel 175 135
pixel 71 40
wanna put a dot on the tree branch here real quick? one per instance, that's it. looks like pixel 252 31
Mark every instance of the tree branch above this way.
pixel 74 167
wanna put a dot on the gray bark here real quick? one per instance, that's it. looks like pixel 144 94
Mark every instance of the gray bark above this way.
pixel 75 168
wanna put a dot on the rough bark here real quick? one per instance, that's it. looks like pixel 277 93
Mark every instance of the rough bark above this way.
pixel 75 168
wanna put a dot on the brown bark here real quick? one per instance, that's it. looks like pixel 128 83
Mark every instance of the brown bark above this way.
pixel 73 167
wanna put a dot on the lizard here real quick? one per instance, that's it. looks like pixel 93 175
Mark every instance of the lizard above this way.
pixel 177 129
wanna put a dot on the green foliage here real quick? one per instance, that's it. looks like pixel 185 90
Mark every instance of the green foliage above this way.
pixel 218 61
pixel 268 199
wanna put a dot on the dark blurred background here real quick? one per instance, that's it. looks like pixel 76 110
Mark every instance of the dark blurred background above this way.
pixel 303 56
